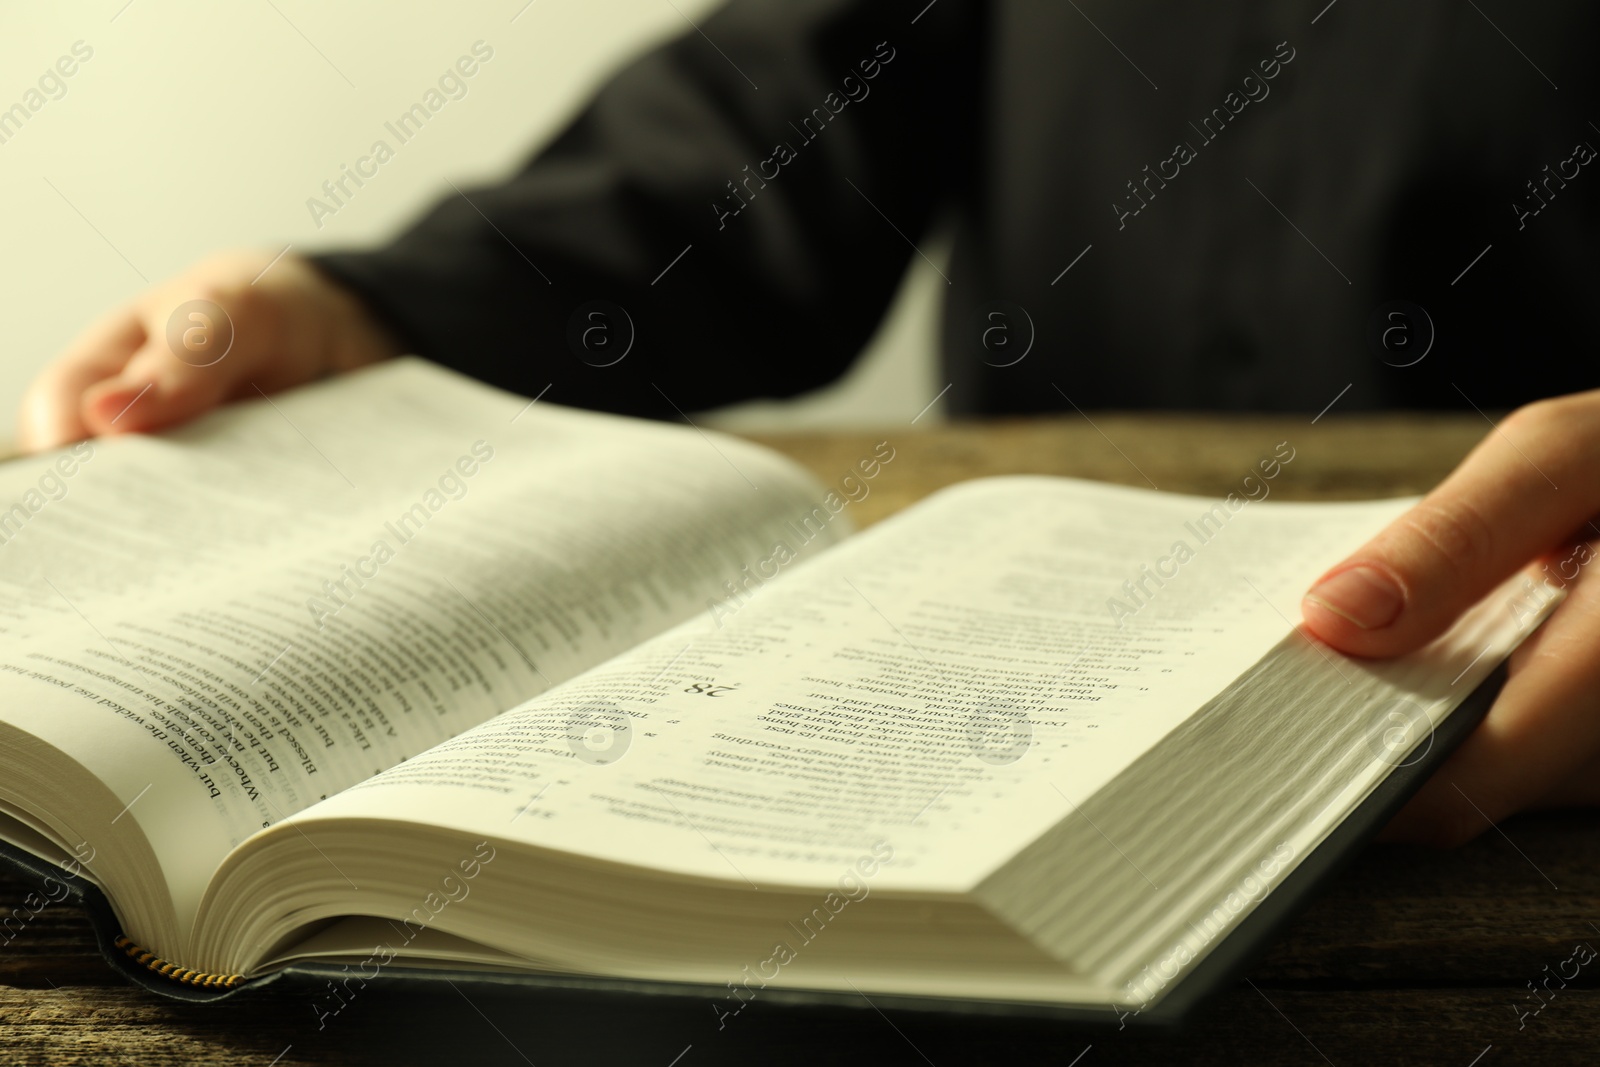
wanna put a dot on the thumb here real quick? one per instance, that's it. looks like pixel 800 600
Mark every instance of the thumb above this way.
pixel 153 393
pixel 180 372
pixel 1498 511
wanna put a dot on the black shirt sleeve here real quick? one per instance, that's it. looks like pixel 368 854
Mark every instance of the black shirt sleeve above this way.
pixel 727 219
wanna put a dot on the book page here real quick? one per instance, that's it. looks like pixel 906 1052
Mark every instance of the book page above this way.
pixel 953 682
pixel 230 623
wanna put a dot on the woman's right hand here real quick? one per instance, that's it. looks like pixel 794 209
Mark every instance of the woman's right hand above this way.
pixel 226 327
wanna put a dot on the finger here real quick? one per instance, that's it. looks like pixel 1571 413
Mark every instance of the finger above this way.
pixel 1499 509
pixel 51 408
pixel 1542 729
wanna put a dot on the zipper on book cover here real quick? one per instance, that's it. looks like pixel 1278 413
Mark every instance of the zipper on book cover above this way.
pixel 171 970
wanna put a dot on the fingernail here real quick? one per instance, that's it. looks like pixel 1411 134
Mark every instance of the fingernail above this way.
pixel 115 403
pixel 1364 595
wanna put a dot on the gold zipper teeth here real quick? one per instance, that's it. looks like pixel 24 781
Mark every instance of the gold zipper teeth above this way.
pixel 171 970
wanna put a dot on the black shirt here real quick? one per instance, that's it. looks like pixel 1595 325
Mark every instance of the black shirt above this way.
pixel 1249 205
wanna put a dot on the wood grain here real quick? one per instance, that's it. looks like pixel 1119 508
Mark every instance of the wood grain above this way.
pixel 1335 459
pixel 1410 957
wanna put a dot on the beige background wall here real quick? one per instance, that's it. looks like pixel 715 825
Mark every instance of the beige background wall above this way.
pixel 196 126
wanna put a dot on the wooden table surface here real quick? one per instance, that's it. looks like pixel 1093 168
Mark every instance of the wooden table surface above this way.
pixel 1411 957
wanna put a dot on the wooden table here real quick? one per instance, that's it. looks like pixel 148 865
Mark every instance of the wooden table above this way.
pixel 1411 957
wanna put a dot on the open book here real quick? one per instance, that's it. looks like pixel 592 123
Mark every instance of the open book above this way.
pixel 399 672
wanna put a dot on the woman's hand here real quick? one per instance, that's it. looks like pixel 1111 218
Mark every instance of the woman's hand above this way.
pixel 1525 497
pixel 219 331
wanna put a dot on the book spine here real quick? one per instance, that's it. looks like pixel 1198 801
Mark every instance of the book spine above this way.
pixel 150 961
pixel 132 962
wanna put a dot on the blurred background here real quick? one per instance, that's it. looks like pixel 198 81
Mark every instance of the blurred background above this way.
pixel 197 127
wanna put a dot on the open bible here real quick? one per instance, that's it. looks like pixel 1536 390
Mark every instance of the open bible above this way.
pixel 400 674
